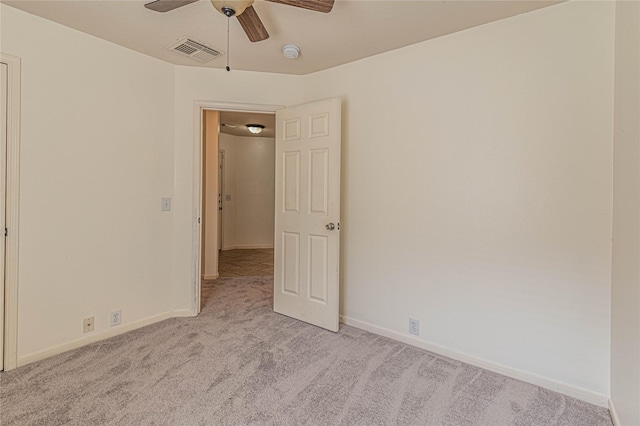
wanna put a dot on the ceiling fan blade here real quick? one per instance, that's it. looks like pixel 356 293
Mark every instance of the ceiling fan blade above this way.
pixel 167 5
pixel 324 6
pixel 252 25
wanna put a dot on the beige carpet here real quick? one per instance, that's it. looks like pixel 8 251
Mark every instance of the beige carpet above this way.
pixel 238 363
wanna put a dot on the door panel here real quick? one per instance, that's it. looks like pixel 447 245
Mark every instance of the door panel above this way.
pixel 319 181
pixel 318 263
pixel 307 250
pixel 290 263
pixel 291 179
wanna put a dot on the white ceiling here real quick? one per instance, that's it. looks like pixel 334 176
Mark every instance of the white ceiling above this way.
pixel 354 29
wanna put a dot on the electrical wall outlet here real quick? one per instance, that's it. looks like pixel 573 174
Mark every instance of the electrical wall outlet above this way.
pixel 87 325
pixel 414 326
pixel 115 318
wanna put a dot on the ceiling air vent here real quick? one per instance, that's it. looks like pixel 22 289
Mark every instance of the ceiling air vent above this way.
pixel 194 49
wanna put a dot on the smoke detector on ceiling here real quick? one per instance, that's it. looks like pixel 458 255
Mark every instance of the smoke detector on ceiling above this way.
pixel 290 51
pixel 194 49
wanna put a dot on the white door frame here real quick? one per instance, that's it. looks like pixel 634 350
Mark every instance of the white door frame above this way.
pixel 198 128
pixel 10 282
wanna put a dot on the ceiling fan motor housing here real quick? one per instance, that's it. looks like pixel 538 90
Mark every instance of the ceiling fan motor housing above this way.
pixel 230 8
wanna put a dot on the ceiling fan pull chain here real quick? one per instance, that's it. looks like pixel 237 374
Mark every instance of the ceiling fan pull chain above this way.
pixel 228 19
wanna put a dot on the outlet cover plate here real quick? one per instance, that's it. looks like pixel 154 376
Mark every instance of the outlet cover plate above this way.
pixel 115 318
pixel 414 326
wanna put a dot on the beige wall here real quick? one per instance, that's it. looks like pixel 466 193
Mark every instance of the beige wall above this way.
pixel 476 184
pixel 250 181
pixel 256 192
pixel 96 158
pixel 625 294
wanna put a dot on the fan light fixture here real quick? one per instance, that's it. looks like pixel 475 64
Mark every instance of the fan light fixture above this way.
pixel 255 128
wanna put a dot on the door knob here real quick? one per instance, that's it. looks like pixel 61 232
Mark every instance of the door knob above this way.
pixel 330 226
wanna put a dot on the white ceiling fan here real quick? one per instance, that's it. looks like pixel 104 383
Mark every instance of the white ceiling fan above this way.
pixel 244 11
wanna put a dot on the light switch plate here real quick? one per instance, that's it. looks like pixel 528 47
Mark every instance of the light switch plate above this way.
pixel 166 204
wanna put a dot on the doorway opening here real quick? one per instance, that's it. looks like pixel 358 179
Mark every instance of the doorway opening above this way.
pixel 306 281
pixel 238 196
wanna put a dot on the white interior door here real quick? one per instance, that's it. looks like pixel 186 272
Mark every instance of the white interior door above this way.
pixel 3 185
pixel 307 217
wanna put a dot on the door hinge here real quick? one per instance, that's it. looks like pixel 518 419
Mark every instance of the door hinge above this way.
pixel 6 232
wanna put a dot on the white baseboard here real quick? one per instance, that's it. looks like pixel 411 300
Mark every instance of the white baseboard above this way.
pixel 545 382
pixel 209 276
pixel 614 414
pixel 181 313
pixel 96 337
